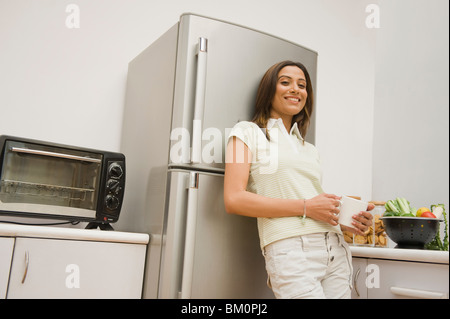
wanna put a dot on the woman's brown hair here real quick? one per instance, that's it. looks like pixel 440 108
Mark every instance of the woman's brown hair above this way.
pixel 266 92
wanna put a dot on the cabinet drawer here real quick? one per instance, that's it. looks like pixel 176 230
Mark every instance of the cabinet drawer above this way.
pixel 6 251
pixel 402 279
pixel 359 290
pixel 47 268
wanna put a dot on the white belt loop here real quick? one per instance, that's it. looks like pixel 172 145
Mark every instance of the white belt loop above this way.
pixel 305 242
pixel 327 241
pixel 340 238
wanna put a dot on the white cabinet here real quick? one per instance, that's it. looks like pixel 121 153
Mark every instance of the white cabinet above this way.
pixel 6 250
pixel 405 279
pixel 359 290
pixel 46 268
pixel 393 279
pixel 40 262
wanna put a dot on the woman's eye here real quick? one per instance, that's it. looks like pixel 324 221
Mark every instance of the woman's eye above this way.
pixel 284 83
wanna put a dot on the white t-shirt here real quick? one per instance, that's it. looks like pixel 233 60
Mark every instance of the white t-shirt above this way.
pixel 283 167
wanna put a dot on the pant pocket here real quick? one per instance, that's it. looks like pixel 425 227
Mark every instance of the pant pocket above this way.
pixel 287 269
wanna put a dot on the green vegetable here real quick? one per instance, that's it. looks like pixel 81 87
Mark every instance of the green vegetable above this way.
pixel 436 243
pixel 392 208
pixel 389 214
pixel 399 207
pixel 404 206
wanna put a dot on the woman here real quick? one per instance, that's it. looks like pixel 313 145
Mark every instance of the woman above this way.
pixel 273 174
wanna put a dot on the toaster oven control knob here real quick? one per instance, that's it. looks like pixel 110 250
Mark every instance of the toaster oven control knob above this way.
pixel 112 202
pixel 112 184
pixel 115 170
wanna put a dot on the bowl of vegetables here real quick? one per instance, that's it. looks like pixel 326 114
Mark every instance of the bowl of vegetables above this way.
pixel 410 228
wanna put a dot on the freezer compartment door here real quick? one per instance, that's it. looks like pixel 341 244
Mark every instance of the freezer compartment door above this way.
pixel 219 67
pixel 222 258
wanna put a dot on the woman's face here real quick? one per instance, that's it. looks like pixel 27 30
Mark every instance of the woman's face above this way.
pixel 290 94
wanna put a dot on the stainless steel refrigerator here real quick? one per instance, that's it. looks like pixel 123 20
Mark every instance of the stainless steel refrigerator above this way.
pixel 184 93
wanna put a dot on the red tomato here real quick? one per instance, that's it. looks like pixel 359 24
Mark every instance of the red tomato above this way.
pixel 428 215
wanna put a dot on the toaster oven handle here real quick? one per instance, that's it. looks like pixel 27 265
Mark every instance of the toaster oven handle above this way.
pixel 53 154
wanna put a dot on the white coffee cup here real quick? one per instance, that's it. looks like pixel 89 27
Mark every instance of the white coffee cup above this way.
pixel 349 207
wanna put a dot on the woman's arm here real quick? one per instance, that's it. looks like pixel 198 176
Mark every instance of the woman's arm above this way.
pixel 239 201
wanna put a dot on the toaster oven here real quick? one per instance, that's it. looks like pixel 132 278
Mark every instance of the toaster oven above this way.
pixel 48 180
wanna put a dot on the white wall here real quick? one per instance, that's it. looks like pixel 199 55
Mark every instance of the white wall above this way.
pixel 68 85
pixel 382 99
pixel 411 140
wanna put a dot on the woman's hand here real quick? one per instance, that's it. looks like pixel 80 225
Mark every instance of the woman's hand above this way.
pixel 324 207
pixel 361 222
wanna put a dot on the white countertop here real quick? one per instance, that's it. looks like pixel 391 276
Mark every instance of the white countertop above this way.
pixel 12 230
pixel 420 255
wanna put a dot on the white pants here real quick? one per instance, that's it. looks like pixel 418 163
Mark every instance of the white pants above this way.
pixel 309 266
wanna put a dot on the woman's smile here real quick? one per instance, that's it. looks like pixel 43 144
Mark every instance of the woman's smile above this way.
pixel 292 99
pixel 290 94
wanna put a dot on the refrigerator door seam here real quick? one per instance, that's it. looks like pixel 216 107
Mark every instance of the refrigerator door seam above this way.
pixel 203 170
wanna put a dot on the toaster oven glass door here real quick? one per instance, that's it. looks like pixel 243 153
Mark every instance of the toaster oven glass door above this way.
pixel 49 180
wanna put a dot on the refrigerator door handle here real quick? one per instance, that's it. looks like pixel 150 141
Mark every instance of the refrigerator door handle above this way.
pixel 191 223
pixel 199 105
